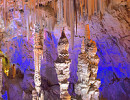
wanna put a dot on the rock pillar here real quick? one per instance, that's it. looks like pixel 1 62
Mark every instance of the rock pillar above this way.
pixel 38 53
pixel 87 85
pixel 62 66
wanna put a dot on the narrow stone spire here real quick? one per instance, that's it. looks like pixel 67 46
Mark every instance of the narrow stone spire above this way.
pixel 38 52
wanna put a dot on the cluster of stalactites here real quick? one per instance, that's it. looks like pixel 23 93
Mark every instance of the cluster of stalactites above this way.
pixel 87 7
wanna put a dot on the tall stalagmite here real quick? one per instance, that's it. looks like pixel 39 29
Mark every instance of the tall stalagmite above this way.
pixel 38 53
pixel 62 65
pixel 87 85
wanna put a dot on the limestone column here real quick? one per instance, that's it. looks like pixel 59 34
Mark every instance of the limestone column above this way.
pixel 38 51
pixel 62 66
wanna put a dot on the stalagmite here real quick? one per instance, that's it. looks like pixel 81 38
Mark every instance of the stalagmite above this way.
pixel 62 66
pixel 87 85
pixel 38 52
pixel 83 74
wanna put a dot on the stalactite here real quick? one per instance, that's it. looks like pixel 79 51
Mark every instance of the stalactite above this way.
pixel 81 6
pixel 95 4
pixel 23 5
pixel 61 11
pixel 92 7
pixel 58 11
pixel 89 9
pixel 102 6
pixel 86 6
pixel 72 22
pixel 54 3
pixel 65 10
pixel 75 10
pixel 68 13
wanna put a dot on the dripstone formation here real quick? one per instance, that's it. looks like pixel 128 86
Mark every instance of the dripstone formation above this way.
pixel 62 65
pixel 37 94
pixel 87 85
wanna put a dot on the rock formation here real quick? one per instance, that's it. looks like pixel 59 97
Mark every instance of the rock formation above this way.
pixel 38 51
pixel 87 85
pixel 62 65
